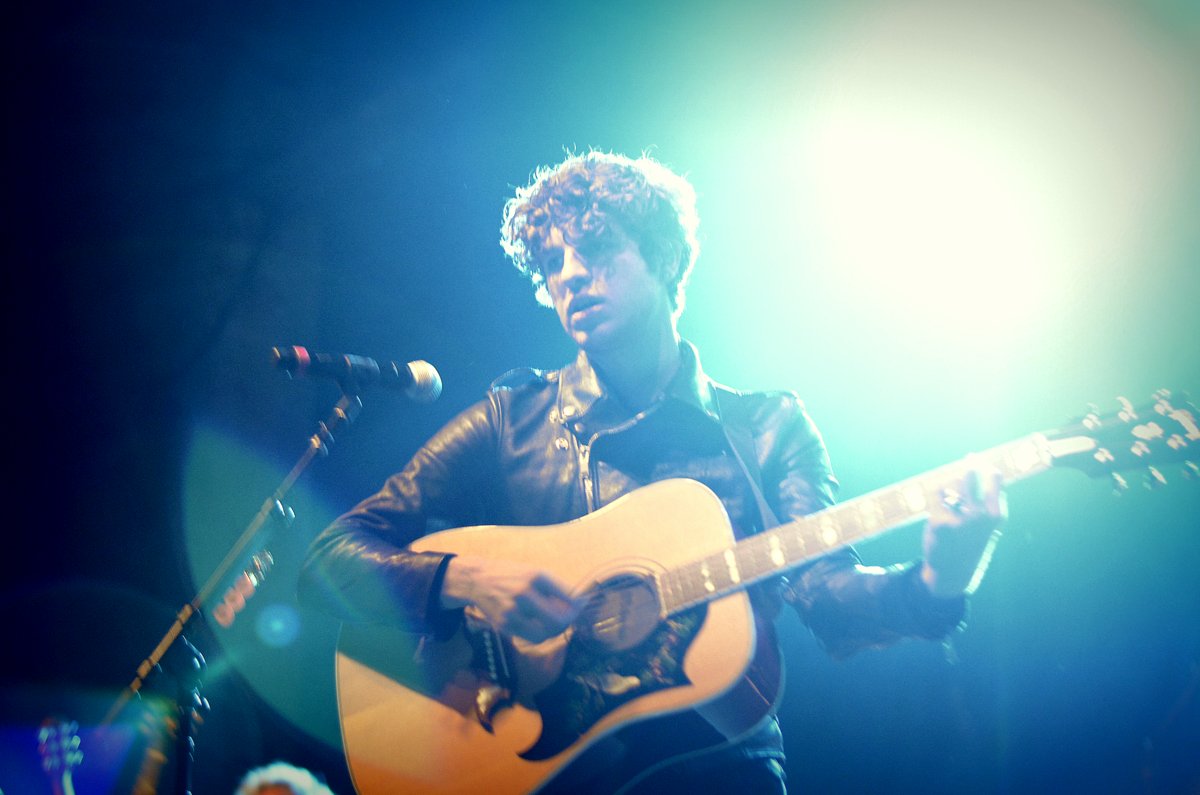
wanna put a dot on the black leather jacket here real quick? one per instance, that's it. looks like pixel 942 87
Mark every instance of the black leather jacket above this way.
pixel 547 447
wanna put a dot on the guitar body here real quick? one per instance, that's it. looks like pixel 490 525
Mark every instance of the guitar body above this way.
pixel 409 713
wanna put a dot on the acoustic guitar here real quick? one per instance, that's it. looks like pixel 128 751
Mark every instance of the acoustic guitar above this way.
pixel 668 626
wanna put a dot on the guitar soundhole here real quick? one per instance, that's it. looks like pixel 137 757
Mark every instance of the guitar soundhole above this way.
pixel 620 613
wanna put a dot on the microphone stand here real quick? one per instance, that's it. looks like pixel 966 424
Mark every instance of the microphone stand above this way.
pixel 189 703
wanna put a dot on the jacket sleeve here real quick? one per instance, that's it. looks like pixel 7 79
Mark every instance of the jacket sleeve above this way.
pixel 846 605
pixel 359 568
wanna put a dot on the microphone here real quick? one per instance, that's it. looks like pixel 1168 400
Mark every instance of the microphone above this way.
pixel 418 380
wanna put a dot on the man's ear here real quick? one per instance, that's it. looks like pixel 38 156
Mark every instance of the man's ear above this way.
pixel 670 263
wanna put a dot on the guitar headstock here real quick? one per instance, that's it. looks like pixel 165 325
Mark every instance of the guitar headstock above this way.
pixel 58 745
pixel 1163 431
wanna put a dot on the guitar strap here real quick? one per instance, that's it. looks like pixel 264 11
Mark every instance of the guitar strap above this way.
pixel 744 452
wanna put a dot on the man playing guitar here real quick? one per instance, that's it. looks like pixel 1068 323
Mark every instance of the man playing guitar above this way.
pixel 608 243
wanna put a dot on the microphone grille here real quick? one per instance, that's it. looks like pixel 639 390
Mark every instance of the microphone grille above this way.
pixel 427 383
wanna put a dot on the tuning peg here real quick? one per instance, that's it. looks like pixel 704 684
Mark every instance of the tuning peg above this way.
pixel 283 513
pixel 1127 412
pixel 1162 400
pixel 1120 484
pixel 1154 478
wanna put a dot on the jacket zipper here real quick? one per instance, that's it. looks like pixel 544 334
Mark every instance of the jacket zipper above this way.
pixel 587 471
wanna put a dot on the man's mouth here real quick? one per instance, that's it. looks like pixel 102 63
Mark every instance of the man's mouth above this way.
pixel 583 305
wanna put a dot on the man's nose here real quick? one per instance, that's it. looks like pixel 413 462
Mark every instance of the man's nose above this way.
pixel 574 267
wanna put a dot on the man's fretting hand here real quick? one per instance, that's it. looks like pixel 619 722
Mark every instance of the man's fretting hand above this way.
pixel 962 531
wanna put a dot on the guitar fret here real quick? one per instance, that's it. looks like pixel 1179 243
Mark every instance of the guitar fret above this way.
pixel 1017 459
pixel 801 542
pixel 687 587
pixel 667 590
pixel 731 564
pixel 724 574
pixel 912 496
pixel 690 589
pixel 896 506
pixel 870 514
pixel 693 585
pixel 777 556
pixel 756 560
pixel 830 530
pixel 703 580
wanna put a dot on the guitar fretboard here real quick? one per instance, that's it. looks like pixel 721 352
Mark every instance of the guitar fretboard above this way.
pixel 784 547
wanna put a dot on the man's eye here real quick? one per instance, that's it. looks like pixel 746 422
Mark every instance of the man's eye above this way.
pixel 598 245
pixel 551 264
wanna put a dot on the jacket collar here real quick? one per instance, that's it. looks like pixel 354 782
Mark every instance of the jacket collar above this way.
pixel 580 389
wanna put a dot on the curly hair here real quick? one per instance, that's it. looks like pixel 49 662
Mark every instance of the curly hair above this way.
pixel 281 774
pixel 585 193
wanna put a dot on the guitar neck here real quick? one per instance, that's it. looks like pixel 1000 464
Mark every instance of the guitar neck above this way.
pixel 775 551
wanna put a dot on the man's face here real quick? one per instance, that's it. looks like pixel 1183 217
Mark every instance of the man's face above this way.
pixel 604 293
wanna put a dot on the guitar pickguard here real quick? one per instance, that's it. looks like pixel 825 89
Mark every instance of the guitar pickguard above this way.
pixel 595 681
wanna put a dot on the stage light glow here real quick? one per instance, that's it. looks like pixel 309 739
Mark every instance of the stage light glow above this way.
pixel 950 209
pixel 932 227
pixel 278 625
